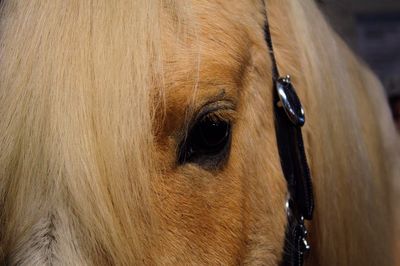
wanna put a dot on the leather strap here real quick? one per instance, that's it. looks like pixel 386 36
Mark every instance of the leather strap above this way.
pixel 289 118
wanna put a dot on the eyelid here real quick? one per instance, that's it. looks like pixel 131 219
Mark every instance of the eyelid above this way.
pixel 221 110
pixel 224 110
pixel 225 115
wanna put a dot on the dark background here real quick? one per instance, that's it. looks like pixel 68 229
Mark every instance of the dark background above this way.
pixel 372 29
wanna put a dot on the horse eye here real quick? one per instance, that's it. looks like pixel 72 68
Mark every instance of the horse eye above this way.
pixel 207 142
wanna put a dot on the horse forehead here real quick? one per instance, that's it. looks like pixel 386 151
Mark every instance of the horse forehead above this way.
pixel 213 51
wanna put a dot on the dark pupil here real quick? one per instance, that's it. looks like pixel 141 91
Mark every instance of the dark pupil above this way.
pixel 213 133
pixel 207 143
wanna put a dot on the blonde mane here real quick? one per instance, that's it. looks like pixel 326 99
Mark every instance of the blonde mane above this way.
pixel 74 101
pixel 82 97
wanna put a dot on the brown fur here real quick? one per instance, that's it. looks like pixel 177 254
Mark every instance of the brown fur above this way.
pixel 95 97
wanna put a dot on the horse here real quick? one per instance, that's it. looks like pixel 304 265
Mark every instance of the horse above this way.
pixel 138 132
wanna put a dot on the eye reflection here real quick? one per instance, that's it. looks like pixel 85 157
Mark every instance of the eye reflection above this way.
pixel 208 141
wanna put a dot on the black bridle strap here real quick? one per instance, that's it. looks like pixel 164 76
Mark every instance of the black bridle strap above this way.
pixel 289 118
pixel 268 39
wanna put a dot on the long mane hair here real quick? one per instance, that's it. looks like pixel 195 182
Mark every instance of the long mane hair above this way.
pixel 77 145
pixel 74 105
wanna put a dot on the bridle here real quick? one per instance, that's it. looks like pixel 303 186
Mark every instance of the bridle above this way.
pixel 289 118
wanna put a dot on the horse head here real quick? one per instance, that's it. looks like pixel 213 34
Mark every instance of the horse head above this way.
pixel 143 132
